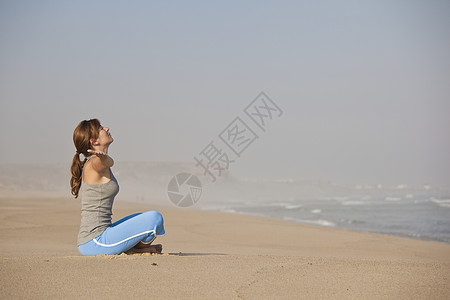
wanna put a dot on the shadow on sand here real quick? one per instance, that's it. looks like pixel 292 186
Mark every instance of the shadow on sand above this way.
pixel 195 254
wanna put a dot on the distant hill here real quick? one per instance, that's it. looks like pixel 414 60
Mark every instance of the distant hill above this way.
pixel 148 181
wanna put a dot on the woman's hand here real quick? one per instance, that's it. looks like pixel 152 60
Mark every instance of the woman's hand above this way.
pixel 105 160
pixel 100 154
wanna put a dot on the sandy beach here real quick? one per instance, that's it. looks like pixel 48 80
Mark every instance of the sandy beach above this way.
pixel 210 255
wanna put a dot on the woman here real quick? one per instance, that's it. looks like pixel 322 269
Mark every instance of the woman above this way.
pixel 93 179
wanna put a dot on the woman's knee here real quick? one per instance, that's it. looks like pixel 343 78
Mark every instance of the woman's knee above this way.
pixel 154 216
pixel 156 219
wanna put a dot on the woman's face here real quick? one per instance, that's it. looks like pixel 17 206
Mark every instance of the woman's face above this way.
pixel 104 137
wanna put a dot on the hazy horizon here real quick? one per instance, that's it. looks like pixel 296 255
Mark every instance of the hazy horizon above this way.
pixel 364 86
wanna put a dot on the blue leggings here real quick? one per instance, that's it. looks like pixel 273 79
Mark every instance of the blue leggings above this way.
pixel 125 234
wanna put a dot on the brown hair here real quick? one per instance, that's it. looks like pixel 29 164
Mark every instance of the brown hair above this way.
pixel 85 131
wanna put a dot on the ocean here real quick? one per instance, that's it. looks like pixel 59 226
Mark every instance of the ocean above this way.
pixel 422 217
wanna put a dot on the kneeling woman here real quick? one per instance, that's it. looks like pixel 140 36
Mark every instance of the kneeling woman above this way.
pixel 94 181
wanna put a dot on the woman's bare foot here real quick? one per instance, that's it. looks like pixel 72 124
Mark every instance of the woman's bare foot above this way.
pixel 146 248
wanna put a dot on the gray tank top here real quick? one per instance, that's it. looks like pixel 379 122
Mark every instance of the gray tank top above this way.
pixel 96 208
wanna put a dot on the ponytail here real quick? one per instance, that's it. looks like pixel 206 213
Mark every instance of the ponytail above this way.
pixel 84 132
pixel 76 170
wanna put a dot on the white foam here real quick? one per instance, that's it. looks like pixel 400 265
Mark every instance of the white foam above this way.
pixel 353 221
pixel 316 211
pixel 231 211
pixel 320 222
pixel 353 203
pixel 392 198
pixel 282 204
pixel 441 202
pixel 293 206
pixel 314 222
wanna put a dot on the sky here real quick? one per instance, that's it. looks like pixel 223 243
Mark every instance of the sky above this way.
pixel 364 86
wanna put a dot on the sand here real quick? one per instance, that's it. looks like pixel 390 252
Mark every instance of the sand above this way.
pixel 212 256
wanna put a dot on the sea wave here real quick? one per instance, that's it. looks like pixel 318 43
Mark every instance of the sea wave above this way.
pixel 274 204
pixel 293 206
pixel 335 198
pixel 441 202
pixel 353 203
pixel 353 221
pixel 393 198
pixel 319 222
